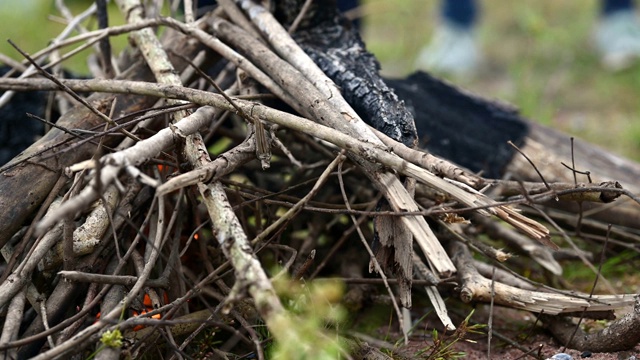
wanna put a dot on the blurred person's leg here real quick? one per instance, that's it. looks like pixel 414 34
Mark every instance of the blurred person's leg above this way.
pixel 617 35
pixel 453 48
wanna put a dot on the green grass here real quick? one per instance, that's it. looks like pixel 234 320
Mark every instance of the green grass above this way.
pixel 32 24
pixel 537 55
pixel 620 266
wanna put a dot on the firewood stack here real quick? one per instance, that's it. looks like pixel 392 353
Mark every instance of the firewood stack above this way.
pixel 250 147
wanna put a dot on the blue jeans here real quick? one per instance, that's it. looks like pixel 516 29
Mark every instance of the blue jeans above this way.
pixel 465 12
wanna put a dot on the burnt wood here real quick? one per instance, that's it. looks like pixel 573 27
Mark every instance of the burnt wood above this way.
pixel 335 46
pixel 470 131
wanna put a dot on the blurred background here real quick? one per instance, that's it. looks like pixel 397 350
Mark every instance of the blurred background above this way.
pixel 536 54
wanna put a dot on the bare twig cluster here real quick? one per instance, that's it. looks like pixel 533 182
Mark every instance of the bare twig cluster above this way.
pixel 140 225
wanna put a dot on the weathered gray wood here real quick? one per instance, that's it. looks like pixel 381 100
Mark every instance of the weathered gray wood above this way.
pixel 24 186
pixel 549 148
pixel 473 131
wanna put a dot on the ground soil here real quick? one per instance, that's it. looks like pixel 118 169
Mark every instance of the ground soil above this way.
pixel 519 326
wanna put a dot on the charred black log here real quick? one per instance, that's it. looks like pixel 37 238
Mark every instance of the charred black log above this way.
pixel 465 129
pixel 335 45
pixel 473 132
pixel 459 126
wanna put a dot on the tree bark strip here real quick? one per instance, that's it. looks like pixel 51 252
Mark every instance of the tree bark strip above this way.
pixel 40 174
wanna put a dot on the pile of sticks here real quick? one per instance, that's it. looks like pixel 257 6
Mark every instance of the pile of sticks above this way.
pixel 156 208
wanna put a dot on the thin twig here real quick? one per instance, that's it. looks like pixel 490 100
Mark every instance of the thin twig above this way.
pixel 69 91
pixel 373 258
pixel 299 205
pixel 300 16
pixel 530 162
pixel 593 288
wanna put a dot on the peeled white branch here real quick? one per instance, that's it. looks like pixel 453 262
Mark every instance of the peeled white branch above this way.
pixel 475 287
pixel 141 152
pixel 88 235
pixel 23 272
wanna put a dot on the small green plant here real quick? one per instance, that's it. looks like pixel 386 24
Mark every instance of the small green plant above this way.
pixel 442 347
pixel 310 330
pixel 112 338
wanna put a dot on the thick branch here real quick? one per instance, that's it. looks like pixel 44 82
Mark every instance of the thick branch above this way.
pixel 475 287
pixel 622 334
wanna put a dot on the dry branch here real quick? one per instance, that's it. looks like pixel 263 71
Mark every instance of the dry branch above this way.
pixel 43 170
pixel 250 275
pixel 111 164
pixel 326 106
pixel 156 252
pixel 622 334
pixel 366 150
pixel 475 287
